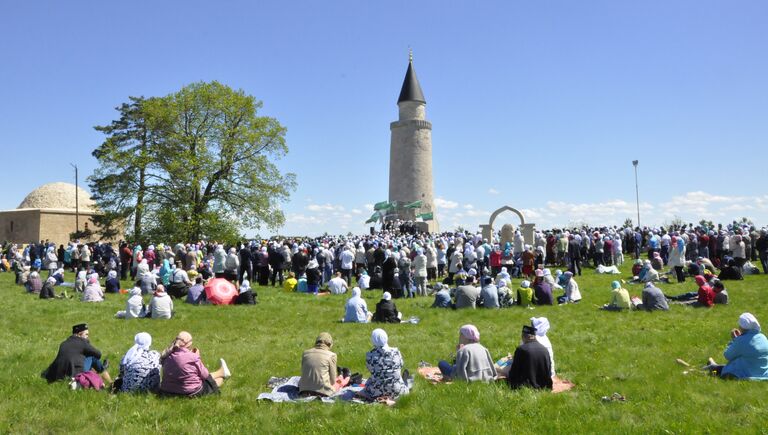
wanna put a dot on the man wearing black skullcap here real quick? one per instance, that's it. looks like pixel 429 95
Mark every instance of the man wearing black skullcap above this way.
pixel 76 355
pixel 531 366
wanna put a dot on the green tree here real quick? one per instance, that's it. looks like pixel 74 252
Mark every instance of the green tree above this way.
pixel 217 161
pixel 198 163
pixel 121 183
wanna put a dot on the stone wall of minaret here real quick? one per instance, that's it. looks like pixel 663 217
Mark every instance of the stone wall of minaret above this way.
pixel 410 162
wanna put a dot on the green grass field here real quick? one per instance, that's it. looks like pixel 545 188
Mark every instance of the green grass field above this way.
pixel 601 352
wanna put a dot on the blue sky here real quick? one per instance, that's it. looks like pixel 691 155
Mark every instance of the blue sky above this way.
pixel 538 105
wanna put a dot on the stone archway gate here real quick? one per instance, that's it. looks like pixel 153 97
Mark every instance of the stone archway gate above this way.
pixel 526 229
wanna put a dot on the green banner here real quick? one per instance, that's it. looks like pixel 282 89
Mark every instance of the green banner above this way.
pixel 374 217
pixel 383 205
pixel 415 204
pixel 426 216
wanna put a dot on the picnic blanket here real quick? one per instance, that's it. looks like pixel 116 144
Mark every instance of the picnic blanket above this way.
pixel 433 375
pixel 287 390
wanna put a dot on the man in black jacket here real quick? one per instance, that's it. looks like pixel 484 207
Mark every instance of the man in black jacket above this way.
pixel 76 355
pixel 531 366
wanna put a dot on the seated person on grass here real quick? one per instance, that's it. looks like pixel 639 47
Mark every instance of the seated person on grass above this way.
pixel 531 364
pixel 384 363
pixel 704 297
pixel 525 294
pixel 338 285
pixel 34 284
pixel 731 271
pixel 289 285
pixel 140 367
pixel 93 291
pixel 653 298
pixel 386 311
pixel 647 273
pixel 160 305
pixel 196 293
pixel 619 298
pixel 747 353
pixel 76 355
pixel 112 284
pixel 542 327
pixel 184 373
pixel 318 368
pixel 489 293
pixel 179 282
pixel 356 309
pixel 473 361
pixel 442 296
pixel 363 280
pixel 246 295
pixel 721 294
pixel 571 287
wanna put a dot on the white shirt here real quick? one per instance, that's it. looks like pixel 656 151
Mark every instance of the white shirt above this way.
pixel 179 275
pixel 161 307
pixel 337 286
pixel 347 258
pixel 364 282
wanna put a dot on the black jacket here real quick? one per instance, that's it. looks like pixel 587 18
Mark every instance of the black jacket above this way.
pixel 386 311
pixel 70 359
pixel 531 367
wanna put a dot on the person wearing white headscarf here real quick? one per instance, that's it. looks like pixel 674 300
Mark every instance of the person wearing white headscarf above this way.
pixel 386 311
pixel 542 327
pixel 541 324
pixel 420 272
pixel 140 367
pixel 112 285
pixel 503 275
pixel 356 309
pixel 134 306
pixel 747 353
pixel 473 361
pixel 142 269
pixel 246 296
pixel 80 281
pixel 384 363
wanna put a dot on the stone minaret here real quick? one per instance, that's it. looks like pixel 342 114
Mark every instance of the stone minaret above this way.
pixel 410 152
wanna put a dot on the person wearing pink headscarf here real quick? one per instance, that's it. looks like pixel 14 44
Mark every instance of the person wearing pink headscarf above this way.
pixel 473 361
pixel 93 291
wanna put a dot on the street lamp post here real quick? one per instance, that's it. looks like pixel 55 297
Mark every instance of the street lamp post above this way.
pixel 77 202
pixel 637 192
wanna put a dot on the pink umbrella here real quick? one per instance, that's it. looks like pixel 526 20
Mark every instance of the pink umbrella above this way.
pixel 219 291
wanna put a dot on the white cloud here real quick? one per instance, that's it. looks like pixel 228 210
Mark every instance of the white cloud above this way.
pixel 690 206
pixel 297 218
pixel 444 203
pixel 493 191
pixel 324 207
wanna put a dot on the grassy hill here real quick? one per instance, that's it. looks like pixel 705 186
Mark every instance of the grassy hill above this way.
pixel 602 352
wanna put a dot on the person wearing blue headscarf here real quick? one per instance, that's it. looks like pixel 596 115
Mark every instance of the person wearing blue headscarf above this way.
pixel 747 353
pixel 356 309
pixel 676 259
pixel 165 273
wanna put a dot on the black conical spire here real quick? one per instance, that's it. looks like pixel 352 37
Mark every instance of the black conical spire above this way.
pixel 411 90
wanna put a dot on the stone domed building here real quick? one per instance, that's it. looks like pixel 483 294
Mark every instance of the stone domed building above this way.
pixel 50 213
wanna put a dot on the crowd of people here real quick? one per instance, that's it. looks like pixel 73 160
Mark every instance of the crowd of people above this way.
pixel 460 270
